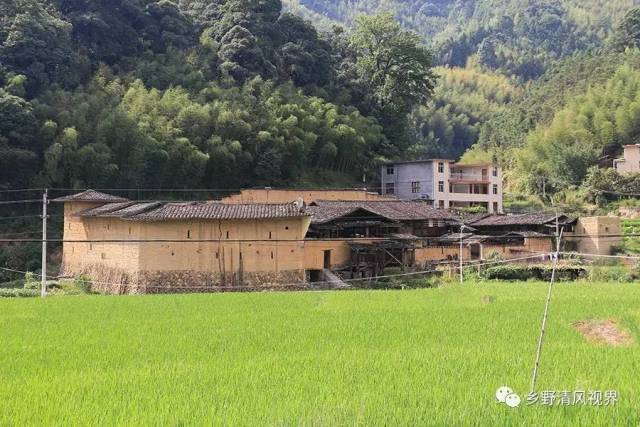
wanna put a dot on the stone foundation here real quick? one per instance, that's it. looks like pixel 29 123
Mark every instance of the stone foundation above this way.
pixel 118 281
pixel 153 282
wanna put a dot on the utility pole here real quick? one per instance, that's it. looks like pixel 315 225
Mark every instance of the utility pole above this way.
pixel 460 257
pixel 45 201
pixel 555 256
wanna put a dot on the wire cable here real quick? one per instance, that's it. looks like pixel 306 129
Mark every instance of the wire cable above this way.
pixel 18 202
pixel 285 285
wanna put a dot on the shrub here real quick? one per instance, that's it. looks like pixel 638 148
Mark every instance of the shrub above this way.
pixel 30 281
pixel 83 283
pixel 610 274
pixel 533 272
pixel 618 249
pixel 474 209
pixel 15 293
pixel 78 286
pixel 13 284
pixel 429 280
pixel 495 256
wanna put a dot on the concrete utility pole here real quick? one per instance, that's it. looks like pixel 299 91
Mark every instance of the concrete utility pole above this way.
pixel 45 201
pixel 460 257
pixel 545 316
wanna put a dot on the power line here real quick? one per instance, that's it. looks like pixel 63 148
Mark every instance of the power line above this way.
pixel 22 190
pixel 17 202
pixel 8 218
pixel 429 240
pixel 214 190
pixel 287 285
pixel 600 256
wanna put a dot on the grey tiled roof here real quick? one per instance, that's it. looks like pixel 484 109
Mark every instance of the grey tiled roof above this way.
pixel 323 211
pixel 105 210
pixel 91 196
pixel 119 210
pixel 158 211
pixel 217 210
pixel 536 218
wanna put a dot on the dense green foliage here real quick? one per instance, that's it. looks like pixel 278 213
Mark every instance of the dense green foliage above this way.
pixel 547 88
pixel 518 272
pixel 590 126
pixel 231 93
pixel 464 100
pixel 520 37
pixel 216 93
pixel 425 357
pixel 631 230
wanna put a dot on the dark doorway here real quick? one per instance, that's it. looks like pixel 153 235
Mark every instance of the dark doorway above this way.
pixel 327 259
pixel 315 275
pixel 475 251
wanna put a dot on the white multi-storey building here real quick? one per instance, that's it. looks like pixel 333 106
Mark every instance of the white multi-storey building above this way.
pixel 631 161
pixel 445 183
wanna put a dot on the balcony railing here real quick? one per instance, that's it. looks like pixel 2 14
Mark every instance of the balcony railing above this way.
pixel 462 176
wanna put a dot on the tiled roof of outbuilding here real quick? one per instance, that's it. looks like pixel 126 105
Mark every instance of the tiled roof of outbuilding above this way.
pixel 535 218
pixel 323 211
pixel 91 196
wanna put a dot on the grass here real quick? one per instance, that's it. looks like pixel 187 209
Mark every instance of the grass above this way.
pixel 424 357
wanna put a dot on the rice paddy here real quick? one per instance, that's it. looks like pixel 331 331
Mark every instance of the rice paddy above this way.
pixel 425 357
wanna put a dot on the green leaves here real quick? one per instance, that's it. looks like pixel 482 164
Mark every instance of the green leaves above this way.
pixel 35 42
pixel 592 125
pixel 627 34
pixel 392 73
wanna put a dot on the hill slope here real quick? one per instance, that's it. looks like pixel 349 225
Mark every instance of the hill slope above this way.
pixel 519 37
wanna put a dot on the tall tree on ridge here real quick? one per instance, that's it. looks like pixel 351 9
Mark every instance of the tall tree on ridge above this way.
pixel 393 73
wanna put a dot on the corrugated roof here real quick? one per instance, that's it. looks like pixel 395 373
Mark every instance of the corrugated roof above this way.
pixel 323 211
pixel 91 196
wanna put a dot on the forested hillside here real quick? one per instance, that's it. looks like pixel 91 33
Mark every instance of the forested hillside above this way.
pixel 231 93
pixel 516 37
pixel 201 93
pixel 547 88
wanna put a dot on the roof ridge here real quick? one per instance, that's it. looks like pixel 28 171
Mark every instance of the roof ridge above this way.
pixel 91 196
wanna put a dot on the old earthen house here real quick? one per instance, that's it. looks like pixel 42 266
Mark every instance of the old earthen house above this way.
pixel 131 247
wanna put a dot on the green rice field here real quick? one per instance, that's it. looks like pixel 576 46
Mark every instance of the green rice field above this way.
pixel 431 357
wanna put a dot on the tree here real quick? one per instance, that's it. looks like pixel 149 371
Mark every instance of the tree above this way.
pixel 242 56
pixel 393 71
pixel 303 57
pixel 18 146
pixel 35 43
pixel 627 34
